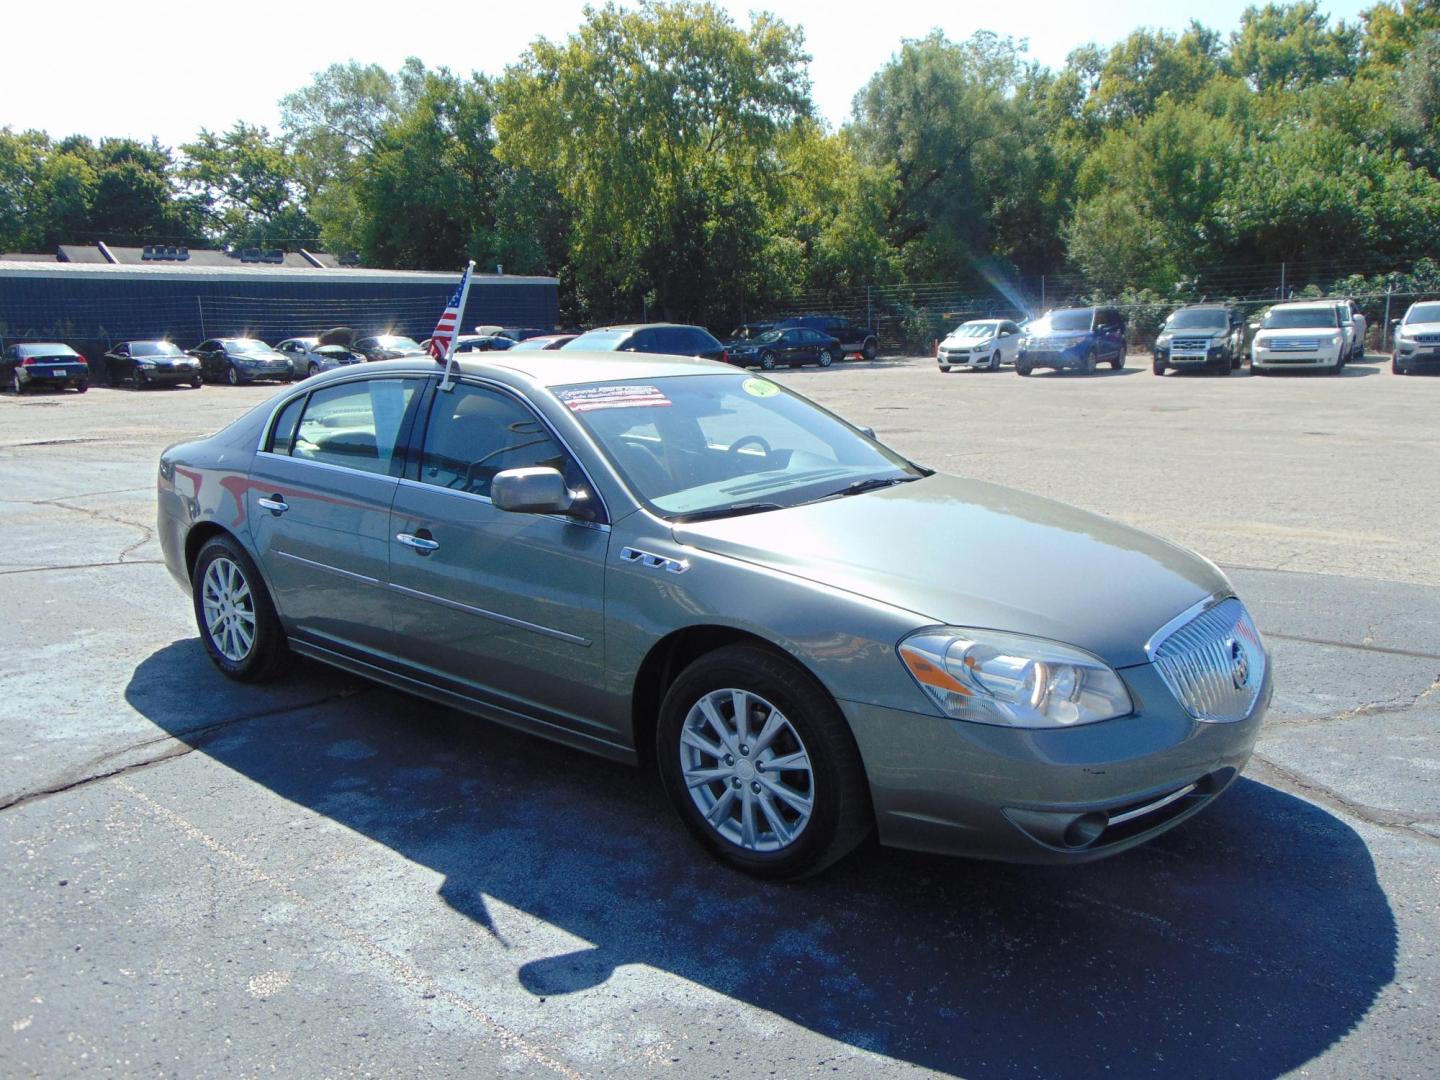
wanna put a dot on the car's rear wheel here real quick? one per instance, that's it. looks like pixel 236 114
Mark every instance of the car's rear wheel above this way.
pixel 81 386
pixel 233 612
pixel 16 386
pixel 760 764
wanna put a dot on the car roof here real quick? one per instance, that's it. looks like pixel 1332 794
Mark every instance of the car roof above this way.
pixel 1306 305
pixel 561 367
pixel 643 326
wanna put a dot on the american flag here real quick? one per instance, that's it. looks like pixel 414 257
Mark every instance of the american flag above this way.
pixel 449 322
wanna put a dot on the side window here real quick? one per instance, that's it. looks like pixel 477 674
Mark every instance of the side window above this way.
pixel 475 432
pixel 698 342
pixel 640 341
pixel 282 432
pixel 356 424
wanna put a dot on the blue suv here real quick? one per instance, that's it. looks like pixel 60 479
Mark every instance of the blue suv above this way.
pixel 1073 339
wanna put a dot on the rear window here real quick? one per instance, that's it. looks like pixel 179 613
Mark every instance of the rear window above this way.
pixel 55 351
pixel 605 340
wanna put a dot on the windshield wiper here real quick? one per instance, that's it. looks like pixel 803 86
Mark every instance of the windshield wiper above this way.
pixel 859 487
pixel 736 510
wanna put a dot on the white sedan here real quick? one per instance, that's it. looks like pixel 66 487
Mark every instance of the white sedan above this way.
pixel 980 343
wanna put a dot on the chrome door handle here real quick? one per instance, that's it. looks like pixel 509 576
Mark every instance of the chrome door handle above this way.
pixel 276 504
pixel 419 543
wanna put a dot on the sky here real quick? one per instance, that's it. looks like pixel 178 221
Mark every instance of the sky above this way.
pixel 168 68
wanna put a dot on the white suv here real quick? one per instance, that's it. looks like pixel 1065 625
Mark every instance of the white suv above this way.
pixel 1302 335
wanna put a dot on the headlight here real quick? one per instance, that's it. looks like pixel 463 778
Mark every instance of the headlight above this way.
pixel 995 678
pixel 1401 334
pixel 145 363
pixel 1163 341
pixel 1335 339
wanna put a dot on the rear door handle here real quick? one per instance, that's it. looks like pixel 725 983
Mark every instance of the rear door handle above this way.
pixel 422 544
pixel 276 504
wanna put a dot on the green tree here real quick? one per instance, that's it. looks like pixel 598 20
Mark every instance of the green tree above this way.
pixel 1150 65
pixel 659 127
pixel 1286 46
pixel 244 187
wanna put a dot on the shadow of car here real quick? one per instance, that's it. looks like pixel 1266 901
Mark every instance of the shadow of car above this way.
pixel 1243 944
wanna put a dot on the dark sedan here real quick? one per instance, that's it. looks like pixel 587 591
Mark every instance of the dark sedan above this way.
pixel 668 339
pixel 387 347
pixel 241 360
pixel 44 363
pixel 792 346
pixel 546 341
pixel 151 363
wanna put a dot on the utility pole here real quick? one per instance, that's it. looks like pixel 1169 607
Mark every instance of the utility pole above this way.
pixel 1042 294
pixel 1282 281
pixel 1385 326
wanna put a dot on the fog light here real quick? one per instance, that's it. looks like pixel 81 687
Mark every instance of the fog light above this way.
pixel 1085 830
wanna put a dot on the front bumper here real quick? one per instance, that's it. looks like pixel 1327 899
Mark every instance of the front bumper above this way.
pixel 1047 796
pixel 1182 360
pixel 169 374
pixel 1424 356
pixel 253 372
pixel 1071 359
pixel 1276 360
pixel 968 358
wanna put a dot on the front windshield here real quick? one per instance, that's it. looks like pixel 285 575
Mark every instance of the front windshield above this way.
pixel 1065 321
pixel 711 445
pixel 975 330
pixel 603 340
pixel 1299 319
pixel 247 345
pixel 1422 313
pixel 155 348
pixel 1197 319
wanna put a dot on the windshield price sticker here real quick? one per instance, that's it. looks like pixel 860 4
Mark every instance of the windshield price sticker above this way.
pixel 589 398
pixel 759 388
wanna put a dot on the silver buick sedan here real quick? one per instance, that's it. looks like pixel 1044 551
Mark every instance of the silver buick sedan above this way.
pixel 669 561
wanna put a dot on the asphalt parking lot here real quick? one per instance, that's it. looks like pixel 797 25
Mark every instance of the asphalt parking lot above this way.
pixel 321 877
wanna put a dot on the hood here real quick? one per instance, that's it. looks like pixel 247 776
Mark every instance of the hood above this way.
pixel 1411 329
pixel 968 553
pixel 1058 335
pixel 1298 331
pixel 968 339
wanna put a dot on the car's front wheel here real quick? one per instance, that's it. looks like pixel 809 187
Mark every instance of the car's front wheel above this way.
pixel 232 376
pixel 760 764
pixel 16 386
pixel 314 369
pixel 870 349
pixel 1157 366
pixel 1022 368
pixel 767 360
pixel 234 614
pixel 826 358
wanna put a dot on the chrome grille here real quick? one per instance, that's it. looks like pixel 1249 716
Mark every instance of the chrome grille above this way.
pixel 1293 344
pixel 1428 339
pixel 1191 344
pixel 1214 663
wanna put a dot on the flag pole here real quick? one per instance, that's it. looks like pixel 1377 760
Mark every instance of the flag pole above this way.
pixel 448 382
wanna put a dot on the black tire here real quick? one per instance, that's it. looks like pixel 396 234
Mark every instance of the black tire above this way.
pixel 196 383
pixel 269 654
pixel 767 360
pixel 945 369
pixel 16 387
pixel 232 375
pixel 1022 368
pixel 81 386
pixel 994 364
pixel 1157 367
pixel 1337 368
pixel 841 816
pixel 1395 367
pixel 1087 365
pixel 826 358
pixel 1118 362
pixel 313 370
pixel 870 349
pixel 1235 362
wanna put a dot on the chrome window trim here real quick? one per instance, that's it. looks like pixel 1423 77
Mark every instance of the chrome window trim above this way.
pixel 420 485
pixel 507 620
pixel 302 390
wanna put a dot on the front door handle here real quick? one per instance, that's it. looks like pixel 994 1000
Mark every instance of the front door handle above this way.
pixel 276 504
pixel 422 544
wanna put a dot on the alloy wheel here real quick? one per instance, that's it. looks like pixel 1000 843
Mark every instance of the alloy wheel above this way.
pixel 747 770
pixel 229 610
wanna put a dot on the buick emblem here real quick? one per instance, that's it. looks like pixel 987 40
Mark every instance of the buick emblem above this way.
pixel 1239 665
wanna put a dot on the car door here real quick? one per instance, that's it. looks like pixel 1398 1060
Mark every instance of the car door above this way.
pixel 1008 342
pixel 318 508
pixel 504 608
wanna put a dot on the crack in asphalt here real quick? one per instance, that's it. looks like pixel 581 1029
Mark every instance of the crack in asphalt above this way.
pixel 82 566
pixel 1379 707
pixel 147 531
pixel 186 742
pixel 1299 784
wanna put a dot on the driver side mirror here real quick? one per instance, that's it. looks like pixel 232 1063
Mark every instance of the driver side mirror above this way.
pixel 536 490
